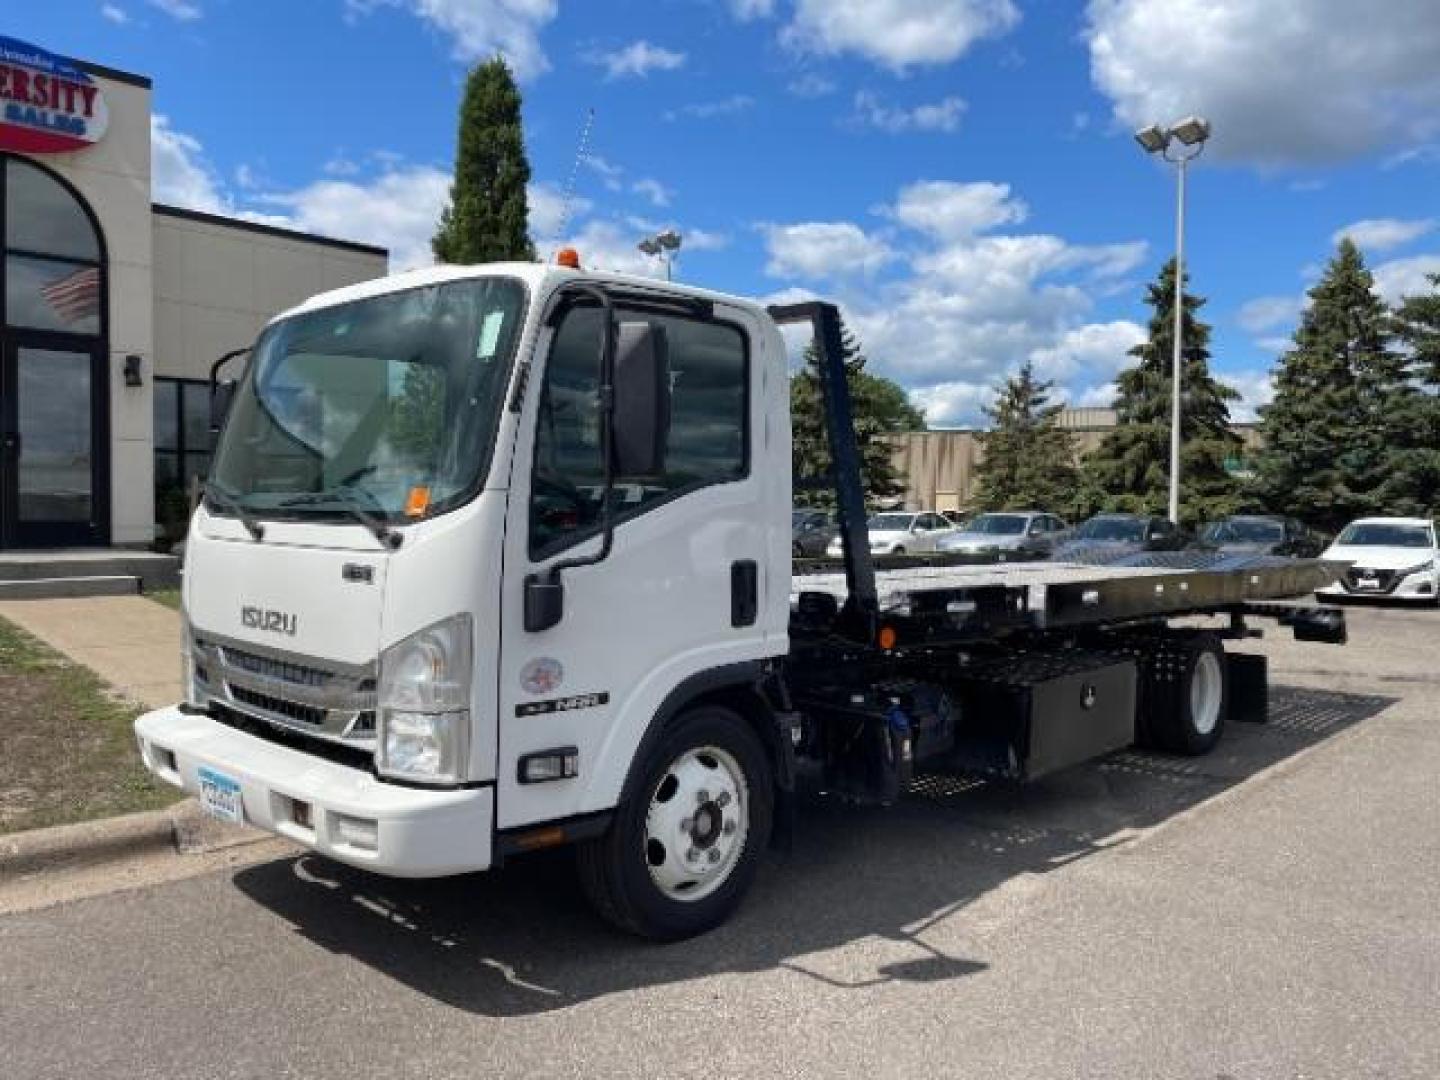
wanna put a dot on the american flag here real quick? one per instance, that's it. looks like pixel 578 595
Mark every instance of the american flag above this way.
pixel 76 296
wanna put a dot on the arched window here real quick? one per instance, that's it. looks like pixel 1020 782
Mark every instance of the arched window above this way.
pixel 53 258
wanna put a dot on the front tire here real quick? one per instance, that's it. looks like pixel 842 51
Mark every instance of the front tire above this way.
pixel 687 838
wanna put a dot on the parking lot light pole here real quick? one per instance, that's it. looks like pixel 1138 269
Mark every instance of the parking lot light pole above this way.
pixel 1190 133
pixel 662 245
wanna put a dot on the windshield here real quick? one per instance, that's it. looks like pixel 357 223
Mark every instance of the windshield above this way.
pixel 1241 531
pixel 890 522
pixel 388 403
pixel 1382 535
pixel 1112 528
pixel 998 524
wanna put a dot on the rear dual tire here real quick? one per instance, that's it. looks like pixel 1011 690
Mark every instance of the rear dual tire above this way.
pixel 1187 712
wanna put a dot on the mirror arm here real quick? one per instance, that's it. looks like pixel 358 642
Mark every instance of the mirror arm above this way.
pixel 544 592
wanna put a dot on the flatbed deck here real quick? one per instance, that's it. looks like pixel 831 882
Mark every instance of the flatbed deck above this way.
pixel 1049 595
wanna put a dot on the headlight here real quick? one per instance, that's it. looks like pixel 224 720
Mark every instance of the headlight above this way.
pixel 423 704
pixel 1418 568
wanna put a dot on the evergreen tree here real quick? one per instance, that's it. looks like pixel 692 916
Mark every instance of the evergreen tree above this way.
pixel 1029 461
pixel 487 219
pixel 1413 483
pixel 879 406
pixel 1341 403
pixel 1130 470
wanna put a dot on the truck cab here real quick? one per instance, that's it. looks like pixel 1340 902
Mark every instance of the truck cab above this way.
pixel 428 614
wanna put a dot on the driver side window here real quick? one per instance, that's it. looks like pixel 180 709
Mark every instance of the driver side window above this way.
pixel 708 440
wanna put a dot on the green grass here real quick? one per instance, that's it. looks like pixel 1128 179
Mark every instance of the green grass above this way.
pixel 69 749
pixel 169 597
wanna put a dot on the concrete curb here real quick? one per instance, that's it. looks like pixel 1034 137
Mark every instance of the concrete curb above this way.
pixel 182 828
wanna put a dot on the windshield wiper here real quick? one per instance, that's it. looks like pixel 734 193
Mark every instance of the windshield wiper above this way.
pixel 345 496
pixel 229 501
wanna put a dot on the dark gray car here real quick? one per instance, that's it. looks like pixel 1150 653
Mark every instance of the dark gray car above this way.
pixel 1260 534
pixel 810 532
pixel 1106 537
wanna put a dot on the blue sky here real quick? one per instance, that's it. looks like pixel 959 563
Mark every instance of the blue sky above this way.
pixel 959 174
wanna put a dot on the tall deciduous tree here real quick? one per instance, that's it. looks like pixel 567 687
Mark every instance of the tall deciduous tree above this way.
pixel 488 216
pixel 1130 470
pixel 1029 461
pixel 1341 399
pixel 879 407
pixel 1412 485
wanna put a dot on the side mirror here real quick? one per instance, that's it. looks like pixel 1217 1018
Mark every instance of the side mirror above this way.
pixel 222 393
pixel 641 425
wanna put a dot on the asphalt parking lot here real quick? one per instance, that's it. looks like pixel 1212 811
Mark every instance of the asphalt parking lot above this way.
pixel 1272 910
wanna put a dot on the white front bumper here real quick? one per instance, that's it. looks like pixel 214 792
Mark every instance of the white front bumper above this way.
pixel 419 832
pixel 1421 586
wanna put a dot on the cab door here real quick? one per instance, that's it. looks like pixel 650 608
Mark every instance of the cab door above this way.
pixel 684 587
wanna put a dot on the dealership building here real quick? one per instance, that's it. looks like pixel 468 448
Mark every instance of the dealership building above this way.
pixel 115 308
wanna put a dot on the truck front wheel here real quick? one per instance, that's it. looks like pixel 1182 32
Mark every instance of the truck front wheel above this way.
pixel 686 842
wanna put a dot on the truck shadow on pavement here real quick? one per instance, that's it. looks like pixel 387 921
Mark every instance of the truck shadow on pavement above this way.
pixel 850 907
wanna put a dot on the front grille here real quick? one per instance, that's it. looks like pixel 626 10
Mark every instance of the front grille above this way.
pixel 305 714
pixel 279 670
pixel 290 692
pixel 353 756
pixel 1384 580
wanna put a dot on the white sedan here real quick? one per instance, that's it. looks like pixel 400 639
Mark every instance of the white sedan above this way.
pixel 901 532
pixel 1390 558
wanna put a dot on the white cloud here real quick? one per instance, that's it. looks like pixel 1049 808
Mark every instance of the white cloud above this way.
pixel 951 211
pixel 1269 312
pixel 1284 84
pixel 943 115
pixel 1400 278
pixel 746 10
pixel 113 13
pixel 1094 348
pixel 823 249
pixel 548 216
pixel 811 85
pixel 950 304
pixel 399 210
pixel 180 175
pixel 1382 234
pixel 708 110
pixel 1257 389
pixel 705 240
pixel 637 60
pixel 478 29
pixel 654 190
pixel 898 34
pixel 608 172
pixel 953 404
pixel 183 10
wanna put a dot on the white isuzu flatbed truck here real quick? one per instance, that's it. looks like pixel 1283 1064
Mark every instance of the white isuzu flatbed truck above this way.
pixel 497 558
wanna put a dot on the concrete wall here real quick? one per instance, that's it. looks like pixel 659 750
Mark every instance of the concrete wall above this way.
pixel 217 283
pixel 114 178
pixel 939 466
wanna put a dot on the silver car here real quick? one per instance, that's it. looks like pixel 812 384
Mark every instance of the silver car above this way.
pixel 1018 534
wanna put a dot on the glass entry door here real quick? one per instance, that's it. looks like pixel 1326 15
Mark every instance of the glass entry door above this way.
pixel 51 480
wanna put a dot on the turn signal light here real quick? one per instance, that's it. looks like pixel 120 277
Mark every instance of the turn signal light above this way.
pixel 886 637
pixel 561 763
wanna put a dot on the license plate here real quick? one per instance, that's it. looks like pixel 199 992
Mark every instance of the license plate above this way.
pixel 220 797
pixel 1367 583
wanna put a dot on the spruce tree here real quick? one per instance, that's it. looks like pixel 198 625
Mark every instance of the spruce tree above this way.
pixel 879 406
pixel 1130 470
pixel 1412 485
pixel 487 219
pixel 1029 461
pixel 1341 401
